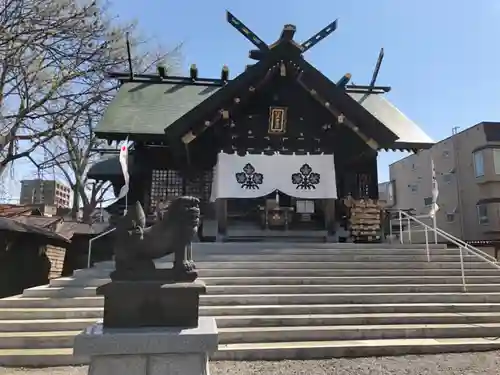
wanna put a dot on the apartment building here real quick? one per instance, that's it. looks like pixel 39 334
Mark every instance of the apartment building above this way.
pixel 467 168
pixel 49 192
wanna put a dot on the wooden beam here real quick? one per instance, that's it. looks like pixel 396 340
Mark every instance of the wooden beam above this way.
pixel 283 69
pixel 188 137
pixel 369 141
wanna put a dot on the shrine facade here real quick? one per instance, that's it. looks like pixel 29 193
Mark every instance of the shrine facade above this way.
pixel 275 149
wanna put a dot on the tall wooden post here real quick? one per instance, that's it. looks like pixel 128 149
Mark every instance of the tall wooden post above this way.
pixel 329 210
pixel 373 170
pixel 221 215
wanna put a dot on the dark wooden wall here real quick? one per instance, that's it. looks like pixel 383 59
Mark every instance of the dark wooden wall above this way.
pixel 22 265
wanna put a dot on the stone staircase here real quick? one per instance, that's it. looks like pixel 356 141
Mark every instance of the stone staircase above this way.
pixel 278 301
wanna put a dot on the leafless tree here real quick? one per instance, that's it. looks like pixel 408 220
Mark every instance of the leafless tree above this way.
pixel 54 55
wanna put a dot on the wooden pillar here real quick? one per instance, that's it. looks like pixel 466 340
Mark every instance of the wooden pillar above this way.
pixel 329 210
pixel 221 215
pixel 373 171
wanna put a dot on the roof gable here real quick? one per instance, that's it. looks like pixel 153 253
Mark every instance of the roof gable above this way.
pixel 240 88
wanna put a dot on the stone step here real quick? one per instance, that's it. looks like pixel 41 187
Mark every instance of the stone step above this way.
pixel 346 348
pixel 344 257
pixel 308 272
pixel 28 313
pixel 78 282
pixel 252 328
pixel 253 321
pixel 95 313
pixel 352 257
pixel 327 265
pixel 276 299
pixel 355 332
pixel 22 302
pixel 42 325
pixel 349 280
pixel 355 319
pixel 348 289
pixel 200 253
pixel 266 252
pixel 345 298
pixel 37 340
pixel 46 291
pixel 277 350
pixel 297 280
pixel 58 292
pixel 271 310
pixel 48 357
pixel 241 246
pixel 337 265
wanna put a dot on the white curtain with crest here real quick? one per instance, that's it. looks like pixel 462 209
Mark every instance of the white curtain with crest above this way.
pixel 252 176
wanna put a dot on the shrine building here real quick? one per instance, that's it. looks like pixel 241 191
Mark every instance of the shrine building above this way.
pixel 271 152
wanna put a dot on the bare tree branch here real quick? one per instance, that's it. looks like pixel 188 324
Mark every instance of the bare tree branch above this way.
pixel 53 84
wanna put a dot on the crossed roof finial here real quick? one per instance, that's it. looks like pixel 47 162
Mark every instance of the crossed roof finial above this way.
pixel 286 35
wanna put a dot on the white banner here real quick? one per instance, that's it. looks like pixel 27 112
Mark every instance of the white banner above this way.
pixel 252 176
pixel 435 191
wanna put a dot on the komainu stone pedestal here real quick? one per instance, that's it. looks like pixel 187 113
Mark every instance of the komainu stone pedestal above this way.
pixel 148 351
pixel 150 303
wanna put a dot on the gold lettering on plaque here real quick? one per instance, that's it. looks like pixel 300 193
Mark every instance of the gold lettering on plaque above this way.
pixel 277 120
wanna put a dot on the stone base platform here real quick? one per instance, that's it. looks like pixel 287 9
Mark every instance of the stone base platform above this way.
pixel 148 351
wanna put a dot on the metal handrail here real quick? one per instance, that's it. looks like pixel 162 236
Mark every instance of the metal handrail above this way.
pixel 89 254
pixel 454 240
pixel 471 250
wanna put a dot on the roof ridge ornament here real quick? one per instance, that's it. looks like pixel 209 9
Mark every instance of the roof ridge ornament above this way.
pixel 371 87
pixel 287 34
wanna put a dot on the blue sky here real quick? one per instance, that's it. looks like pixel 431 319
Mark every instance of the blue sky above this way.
pixel 441 56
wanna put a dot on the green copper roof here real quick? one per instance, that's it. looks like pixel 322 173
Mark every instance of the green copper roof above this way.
pixel 148 108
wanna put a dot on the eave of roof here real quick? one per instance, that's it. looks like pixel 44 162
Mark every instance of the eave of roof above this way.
pixel 14 226
pixel 108 167
pixel 410 135
pixel 144 109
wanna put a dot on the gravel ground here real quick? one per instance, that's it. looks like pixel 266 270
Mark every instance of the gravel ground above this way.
pixel 443 364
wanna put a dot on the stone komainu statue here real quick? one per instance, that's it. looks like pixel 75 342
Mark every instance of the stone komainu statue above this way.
pixel 137 246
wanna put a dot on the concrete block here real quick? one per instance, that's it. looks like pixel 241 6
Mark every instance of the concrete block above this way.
pixel 148 351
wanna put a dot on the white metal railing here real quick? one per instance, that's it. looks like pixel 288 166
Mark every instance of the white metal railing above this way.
pixel 91 241
pixel 463 246
pixel 409 230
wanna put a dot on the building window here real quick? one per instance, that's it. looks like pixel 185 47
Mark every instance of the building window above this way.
pixel 446 154
pixel 478 163
pixel 428 201
pixel 413 188
pixel 496 160
pixel 450 218
pixel 482 214
pixel 447 178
